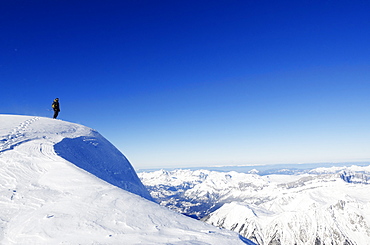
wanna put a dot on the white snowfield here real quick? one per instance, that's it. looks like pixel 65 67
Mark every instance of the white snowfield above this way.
pixel 325 206
pixel 63 183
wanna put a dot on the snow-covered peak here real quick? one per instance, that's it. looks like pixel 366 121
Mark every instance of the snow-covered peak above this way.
pixel 80 145
pixel 98 156
pixel 325 206
pixel 63 183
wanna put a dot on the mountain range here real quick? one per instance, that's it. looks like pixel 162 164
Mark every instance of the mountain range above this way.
pixel 328 205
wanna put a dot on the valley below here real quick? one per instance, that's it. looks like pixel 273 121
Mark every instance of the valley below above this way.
pixel 328 205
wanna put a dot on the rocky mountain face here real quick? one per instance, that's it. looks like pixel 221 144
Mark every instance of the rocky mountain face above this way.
pixel 321 206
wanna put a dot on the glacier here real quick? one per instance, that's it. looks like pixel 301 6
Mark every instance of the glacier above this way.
pixel 64 183
pixel 321 206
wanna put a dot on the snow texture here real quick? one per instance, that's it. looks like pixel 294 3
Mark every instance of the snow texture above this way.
pixel 63 183
pixel 326 206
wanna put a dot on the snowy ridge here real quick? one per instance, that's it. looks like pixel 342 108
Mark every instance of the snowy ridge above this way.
pixel 328 206
pixel 47 199
pixel 16 135
pixel 99 157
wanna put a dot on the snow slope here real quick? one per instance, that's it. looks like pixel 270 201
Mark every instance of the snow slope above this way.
pixel 328 206
pixel 63 183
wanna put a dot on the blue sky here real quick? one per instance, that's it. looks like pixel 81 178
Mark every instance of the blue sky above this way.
pixel 196 83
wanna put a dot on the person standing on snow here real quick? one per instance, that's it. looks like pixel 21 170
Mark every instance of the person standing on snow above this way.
pixel 55 107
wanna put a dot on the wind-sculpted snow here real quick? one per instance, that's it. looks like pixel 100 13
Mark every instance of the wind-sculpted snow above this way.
pixel 328 206
pixel 98 156
pixel 16 135
pixel 46 199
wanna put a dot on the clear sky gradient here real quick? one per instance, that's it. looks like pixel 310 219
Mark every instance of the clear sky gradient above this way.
pixel 196 83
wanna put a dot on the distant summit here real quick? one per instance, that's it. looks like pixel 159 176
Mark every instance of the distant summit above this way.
pixel 324 206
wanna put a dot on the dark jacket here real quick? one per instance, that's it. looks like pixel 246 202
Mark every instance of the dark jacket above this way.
pixel 55 105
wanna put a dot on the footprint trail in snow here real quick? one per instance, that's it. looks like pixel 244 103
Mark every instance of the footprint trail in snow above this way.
pixel 16 136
